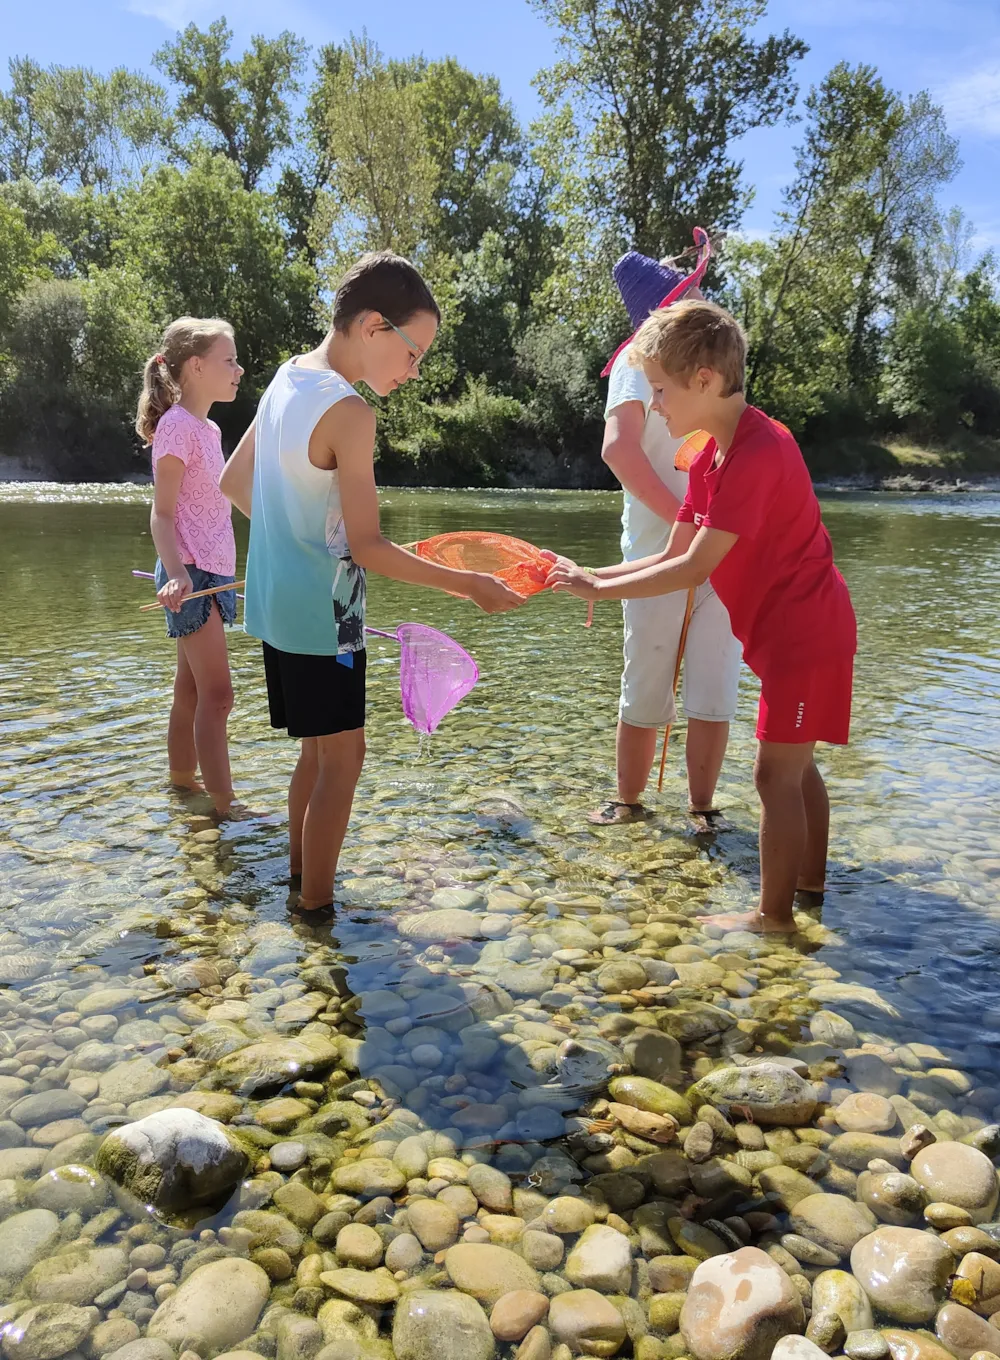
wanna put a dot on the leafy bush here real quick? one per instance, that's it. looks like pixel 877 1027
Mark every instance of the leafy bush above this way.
pixel 76 352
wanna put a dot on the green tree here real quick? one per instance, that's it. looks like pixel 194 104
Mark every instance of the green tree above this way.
pixel 313 155
pixel 473 137
pixel 239 108
pixel 82 225
pixel 23 255
pixel 76 353
pixel 76 126
pixel 204 244
pixel 859 213
pixel 660 91
pixel 382 178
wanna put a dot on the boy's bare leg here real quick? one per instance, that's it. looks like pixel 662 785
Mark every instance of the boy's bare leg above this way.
pixel 812 875
pixel 339 761
pixel 779 775
pixel 182 757
pixel 299 792
pixel 706 750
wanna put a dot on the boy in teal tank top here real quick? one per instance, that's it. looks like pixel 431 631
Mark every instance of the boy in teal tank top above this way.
pixel 304 474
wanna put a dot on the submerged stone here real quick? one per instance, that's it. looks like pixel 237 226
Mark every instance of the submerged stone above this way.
pixel 771 1092
pixel 174 1159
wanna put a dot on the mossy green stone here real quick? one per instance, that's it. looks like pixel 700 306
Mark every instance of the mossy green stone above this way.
pixel 694 1240
pixel 665 1311
pixel 642 1093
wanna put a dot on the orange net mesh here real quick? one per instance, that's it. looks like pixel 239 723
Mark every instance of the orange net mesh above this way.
pixel 693 445
pixel 520 565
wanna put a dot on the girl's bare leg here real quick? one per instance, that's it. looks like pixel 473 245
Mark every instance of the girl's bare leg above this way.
pixel 339 761
pixel 300 790
pixel 182 757
pixel 206 654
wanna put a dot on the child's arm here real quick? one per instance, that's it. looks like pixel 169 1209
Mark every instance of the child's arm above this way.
pixel 353 452
pixel 653 576
pixel 623 453
pixel 681 537
pixel 236 482
pixel 166 489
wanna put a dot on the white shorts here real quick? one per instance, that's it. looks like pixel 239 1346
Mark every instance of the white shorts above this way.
pixel 712 658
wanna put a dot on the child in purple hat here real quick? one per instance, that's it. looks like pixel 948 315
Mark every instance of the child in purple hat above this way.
pixel 640 452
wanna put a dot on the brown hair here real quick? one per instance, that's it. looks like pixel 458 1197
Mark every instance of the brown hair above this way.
pixel 186 338
pixel 386 283
pixel 694 334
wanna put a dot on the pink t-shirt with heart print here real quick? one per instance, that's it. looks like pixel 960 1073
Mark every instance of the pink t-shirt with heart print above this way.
pixel 203 520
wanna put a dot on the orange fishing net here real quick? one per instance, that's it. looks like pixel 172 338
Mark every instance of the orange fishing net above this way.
pixel 693 445
pixel 520 565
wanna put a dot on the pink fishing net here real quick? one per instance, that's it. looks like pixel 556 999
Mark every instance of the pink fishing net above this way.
pixel 435 674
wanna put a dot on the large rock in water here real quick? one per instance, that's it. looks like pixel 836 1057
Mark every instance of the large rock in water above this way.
pixel 488 1272
pixel 771 1092
pixel 219 1304
pixel 76 1276
pixel 955 1174
pixel 903 1271
pixel 739 1307
pixel 441 1324
pixel 275 1062
pixel 173 1159
pixel 23 1239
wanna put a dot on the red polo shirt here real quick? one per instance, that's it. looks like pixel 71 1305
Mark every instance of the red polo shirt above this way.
pixel 787 602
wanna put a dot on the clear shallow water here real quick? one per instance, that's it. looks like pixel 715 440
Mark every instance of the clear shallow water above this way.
pixel 105 874
pixel 85 682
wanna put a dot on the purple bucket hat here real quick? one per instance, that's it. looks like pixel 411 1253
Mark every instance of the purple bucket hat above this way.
pixel 643 284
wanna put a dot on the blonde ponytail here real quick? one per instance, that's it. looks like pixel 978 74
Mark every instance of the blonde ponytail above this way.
pixel 186 338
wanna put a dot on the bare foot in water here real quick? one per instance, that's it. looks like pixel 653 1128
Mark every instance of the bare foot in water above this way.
pixel 235 812
pixel 303 904
pixel 752 921
pixel 186 782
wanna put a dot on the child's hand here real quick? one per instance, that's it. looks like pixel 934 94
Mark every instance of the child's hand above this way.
pixel 557 560
pixel 574 580
pixel 176 591
pixel 491 594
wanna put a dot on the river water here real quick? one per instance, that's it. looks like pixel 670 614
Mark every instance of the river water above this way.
pixel 109 882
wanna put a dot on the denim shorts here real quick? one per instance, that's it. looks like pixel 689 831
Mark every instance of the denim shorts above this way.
pixel 194 614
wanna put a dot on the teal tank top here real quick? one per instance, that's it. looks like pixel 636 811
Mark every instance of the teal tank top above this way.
pixel 304 592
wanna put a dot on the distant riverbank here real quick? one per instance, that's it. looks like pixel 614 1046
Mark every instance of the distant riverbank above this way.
pixel 856 464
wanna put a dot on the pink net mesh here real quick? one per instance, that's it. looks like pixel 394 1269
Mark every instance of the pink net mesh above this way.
pixel 435 674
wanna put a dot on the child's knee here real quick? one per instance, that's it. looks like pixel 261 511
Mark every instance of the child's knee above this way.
pixel 217 698
pixel 771 776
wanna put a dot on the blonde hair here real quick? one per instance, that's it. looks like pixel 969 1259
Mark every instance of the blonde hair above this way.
pixel 186 338
pixel 693 334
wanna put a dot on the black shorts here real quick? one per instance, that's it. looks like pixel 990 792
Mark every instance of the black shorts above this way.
pixel 314 696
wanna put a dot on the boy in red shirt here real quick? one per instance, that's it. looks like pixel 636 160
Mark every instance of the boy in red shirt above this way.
pixel 751 523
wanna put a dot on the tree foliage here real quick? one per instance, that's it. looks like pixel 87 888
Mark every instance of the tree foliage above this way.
pixel 245 183
pixel 660 90
pixel 238 108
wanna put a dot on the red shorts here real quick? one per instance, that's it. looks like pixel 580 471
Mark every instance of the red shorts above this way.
pixel 797 706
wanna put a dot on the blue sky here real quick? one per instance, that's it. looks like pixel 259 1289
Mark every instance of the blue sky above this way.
pixel 952 49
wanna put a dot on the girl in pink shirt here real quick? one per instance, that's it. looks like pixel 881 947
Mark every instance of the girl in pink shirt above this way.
pixel 191 524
